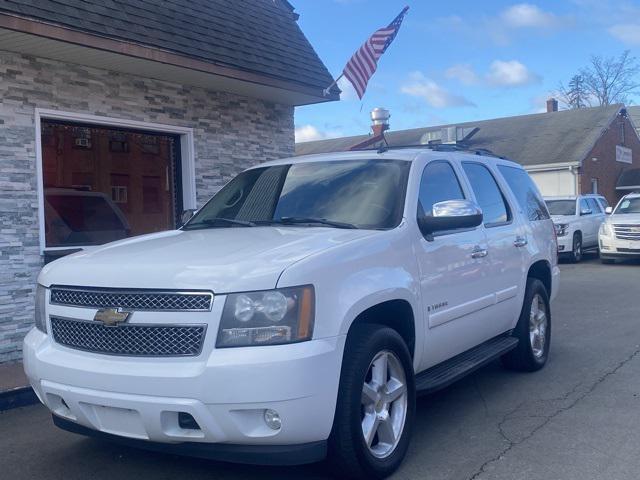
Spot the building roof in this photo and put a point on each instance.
(629, 180)
(560, 137)
(257, 36)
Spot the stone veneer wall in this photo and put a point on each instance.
(231, 133)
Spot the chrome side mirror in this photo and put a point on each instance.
(186, 216)
(586, 211)
(608, 210)
(450, 215)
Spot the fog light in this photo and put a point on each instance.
(272, 419)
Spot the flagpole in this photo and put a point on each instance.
(326, 91)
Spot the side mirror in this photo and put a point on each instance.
(450, 215)
(186, 216)
(608, 210)
(586, 211)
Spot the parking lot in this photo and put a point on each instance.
(576, 419)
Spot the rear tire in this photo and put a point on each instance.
(533, 330)
(365, 405)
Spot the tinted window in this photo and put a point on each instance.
(364, 193)
(438, 184)
(584, 206)
(488, 194)
(595, 206)
(526, 192)
(603, 202)
(561, 207)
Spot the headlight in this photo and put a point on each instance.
(271, 317)
(561, 229)
(605, 229)
(41, 315)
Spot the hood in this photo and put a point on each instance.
(222, 259)
(626, 218)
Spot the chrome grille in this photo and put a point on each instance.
(132, 299)
(129, 339)
(627, 232)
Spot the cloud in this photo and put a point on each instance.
(628, 33)
(510, 74)
(309, 133)
(526, 15)
(348, 92)
(464, 73)
(422, 87)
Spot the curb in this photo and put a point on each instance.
(17, 397)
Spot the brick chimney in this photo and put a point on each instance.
(380, 124)
(552, 105)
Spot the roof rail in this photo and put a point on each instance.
(439, 147)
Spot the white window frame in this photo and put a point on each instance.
(187, 156)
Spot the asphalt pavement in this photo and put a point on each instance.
(579, 418)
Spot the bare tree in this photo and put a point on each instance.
(611, 80)
(574, 94)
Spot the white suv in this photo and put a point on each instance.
(577, 220)
(620, 234)
(301, 310)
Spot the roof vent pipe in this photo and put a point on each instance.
(380, 120)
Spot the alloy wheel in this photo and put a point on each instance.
(538, 326)
(384, 404)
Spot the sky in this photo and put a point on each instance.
(458, 60)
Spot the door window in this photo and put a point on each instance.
(594, 205)
(584, 206)
(488, 195)
(439, 183)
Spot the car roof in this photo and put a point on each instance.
(632, 195)
(407, 154)
(574, 197)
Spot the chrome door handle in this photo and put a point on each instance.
(520, 242)
(479, 252)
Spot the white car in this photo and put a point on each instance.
(577, 220)
(620, 233)
(301, 310)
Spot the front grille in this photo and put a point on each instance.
(132, 299)
(627, 232)
(629, 250)
(131, 340)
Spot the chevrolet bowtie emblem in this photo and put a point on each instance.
(111, 317)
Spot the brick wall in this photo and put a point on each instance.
(606, 169)
(231, 133)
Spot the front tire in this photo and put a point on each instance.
(533, 330)
(376, 405)
(576, 253)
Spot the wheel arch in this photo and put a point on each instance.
(542, 271)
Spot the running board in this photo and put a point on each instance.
(444, 374)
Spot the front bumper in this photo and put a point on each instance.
(565, 244)
(226, 392)
(614, 248)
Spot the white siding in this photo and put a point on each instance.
(555, 183)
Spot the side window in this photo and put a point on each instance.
(603, 202)
(488, 194)
(526, 193)
(595, 206)
(584, 205)
(439, 183)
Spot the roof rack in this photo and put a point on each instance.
(438, 147)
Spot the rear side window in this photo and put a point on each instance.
(488, 194)
(439, 183)
(585, 207)
(526, 193)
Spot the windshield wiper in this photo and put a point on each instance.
(212, 222)
(320, 221)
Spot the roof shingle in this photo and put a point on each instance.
(536, 139)
(259, 36)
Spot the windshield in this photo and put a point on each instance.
(630, 205)
(561, 207)
(367, 194)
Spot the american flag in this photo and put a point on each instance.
(364, 62)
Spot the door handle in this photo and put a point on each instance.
(479, 252)
(520, 242)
